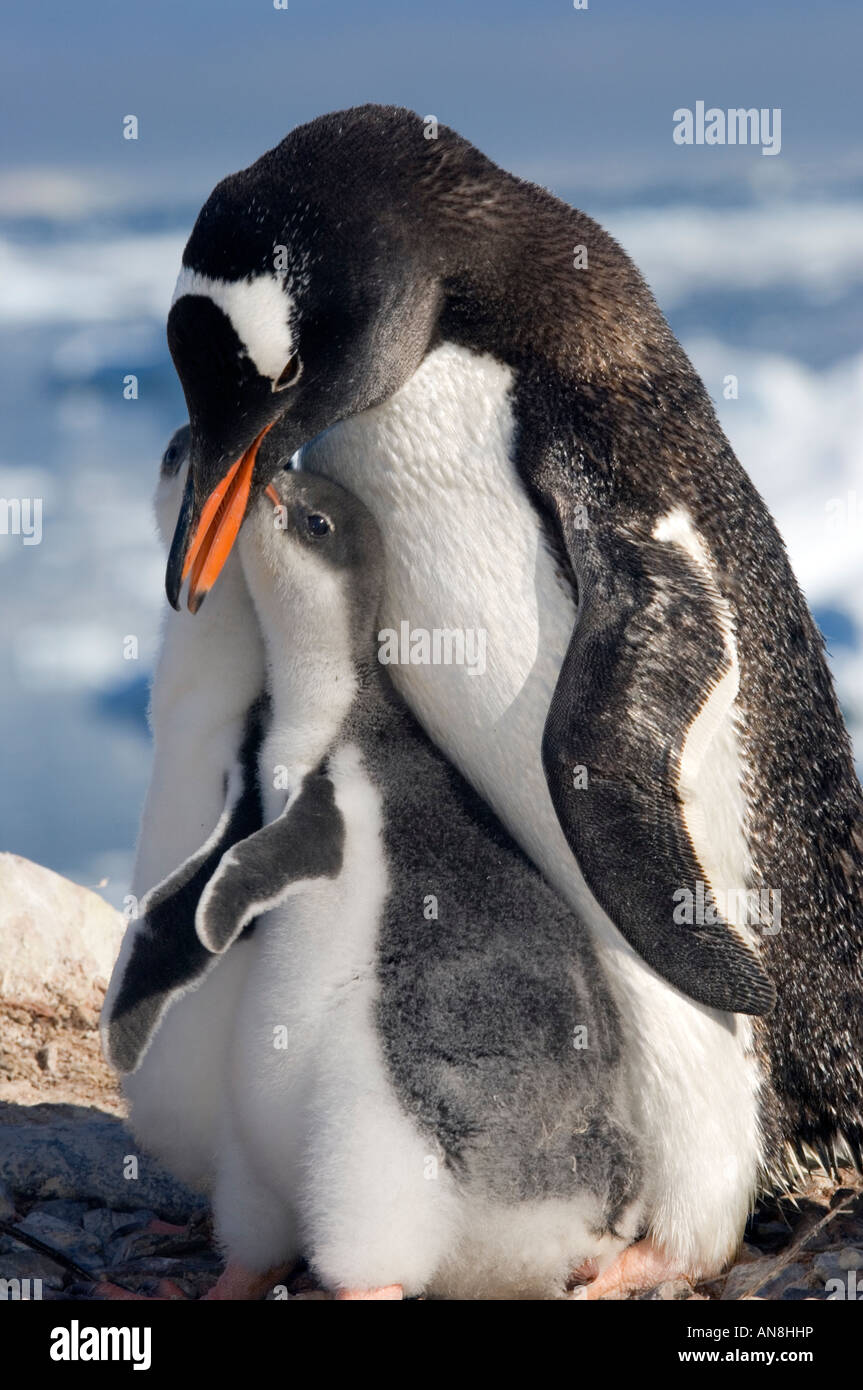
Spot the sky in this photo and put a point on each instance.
(553, 92)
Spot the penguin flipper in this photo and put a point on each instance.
(650, 645)
(166, 958)
(305, 842)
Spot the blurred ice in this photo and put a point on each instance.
(86, 280)
(683, 250)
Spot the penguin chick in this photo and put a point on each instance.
(427, 1087)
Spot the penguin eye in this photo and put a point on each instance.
(290, 374)
(317, 525)
(171, 460)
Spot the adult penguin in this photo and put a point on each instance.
(655, 724)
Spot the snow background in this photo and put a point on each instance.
(757, 262)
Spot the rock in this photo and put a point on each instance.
(146, 1244)
(783, 1279)
(63, 1210)
(84, 1160)
(56, 938)
(58, 943)
(770, 1237)
(197, 1283)
(849, 1258)
(151, 1282)
(744, 1277)
(152, 1268)
(159, 1268)
(7, 1203)
(138, 1281)
(105, 1223)
(71, 1240)
(46, 1057)
(29, 1264)
(672, 1290)
(749, 1254)
(767, 1277)
(826, 1266)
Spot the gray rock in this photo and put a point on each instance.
(744, 1277)
(62, 1210)
(849, 1258)
(144, 1244)
(672, 1290)
(104, 1222)
(770, 1237)
(29, 1264)
(138, 1281)
(786, 1278)
(161, 1266)
(196, 1285)
(7, 1203)
(84, 1160)
(148, 1282)
(57, 939)
(749, 1253)
(766, 1277)
(72, 1240)
(826, 1266)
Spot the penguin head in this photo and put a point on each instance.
(313, 559)
(173, 470)
(310, 290)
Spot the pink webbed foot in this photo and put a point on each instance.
(241, 1285)
(389, 1291)
(641, 1266)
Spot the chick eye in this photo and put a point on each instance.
(317, 525)
(171, 460)
(290, 374)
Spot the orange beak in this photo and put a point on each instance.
(221, 519)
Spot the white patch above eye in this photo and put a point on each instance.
(260, 311)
